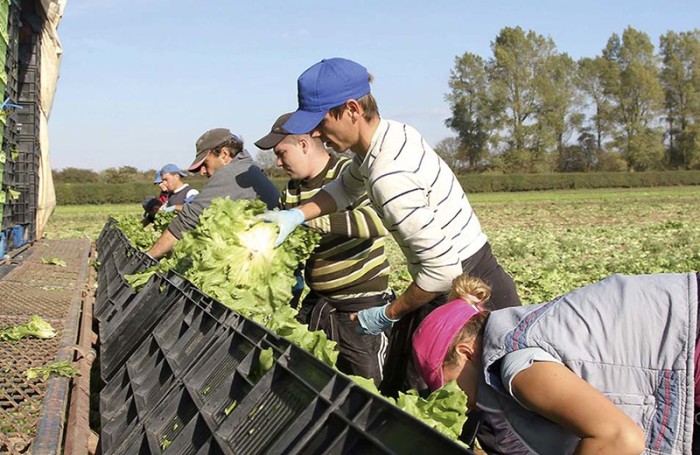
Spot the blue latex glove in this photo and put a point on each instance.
(287, 220)
(374, 321)
(170, 208)
(299, 285)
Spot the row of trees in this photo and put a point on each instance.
(124, 174)
(531, 108)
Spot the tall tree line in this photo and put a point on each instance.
(531, 108)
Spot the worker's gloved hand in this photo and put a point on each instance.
(299, 285)
(170, 208)
(287, 220)
(374, 321)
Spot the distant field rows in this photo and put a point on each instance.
(550, 241)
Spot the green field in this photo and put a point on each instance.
(551, 241)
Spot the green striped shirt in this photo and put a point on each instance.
(350, 260)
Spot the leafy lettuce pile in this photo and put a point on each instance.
(231, 256)
(143, 238)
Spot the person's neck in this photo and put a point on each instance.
(319, 162)
(367, 130)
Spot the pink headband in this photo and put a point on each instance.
(435, 334)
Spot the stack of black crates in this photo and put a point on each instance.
(182, 374)
(21, 132)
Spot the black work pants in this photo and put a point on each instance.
(361, 355)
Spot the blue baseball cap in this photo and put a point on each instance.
(327, 84)
(169, 169)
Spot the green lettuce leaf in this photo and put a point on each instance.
(36, 327)
(62, 368)
(444, 410)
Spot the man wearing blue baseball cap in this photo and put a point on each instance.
(417, 196)
(179, 192)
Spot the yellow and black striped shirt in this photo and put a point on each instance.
(350, 260)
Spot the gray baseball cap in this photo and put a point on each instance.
(276, 134)
(207, 141)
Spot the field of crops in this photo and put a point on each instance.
(551, 242)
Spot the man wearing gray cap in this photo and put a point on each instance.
(231, 172)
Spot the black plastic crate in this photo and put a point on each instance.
(26, 162)
(27, 114)
(285, 403)
(126, 260)
(121, 310)
(114, 394)
(189, 328)
(130, 260)
(120, 297)
(29, 88)
(110, 245)
(195, 438)
(26, 181)
(21, 214)
(106, 235)
(26, 128)
(169, 419)
(116, 283)
(122, 423)
(28, 145)
(366, 423)
(151, 376)
(11, 55)
(303, 406)
(9, 134)
(121, 335)
(7, 217)
(158, 362)
(29, 50)
(135, 444)
(118, 291)
(224, 374)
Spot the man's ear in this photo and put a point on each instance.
(228, 151)
(304, 144)
(354, 108)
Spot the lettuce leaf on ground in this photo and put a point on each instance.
(36, 327)
(54, 261)
(62, 368)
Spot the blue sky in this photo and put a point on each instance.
(141, 80)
